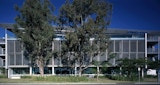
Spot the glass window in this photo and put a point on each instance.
(20, 70)
(64, 70)
(90, 70)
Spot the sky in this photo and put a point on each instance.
(126, 14)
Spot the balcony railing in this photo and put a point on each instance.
(2, 52)
(152, 51)
(2, 41)
(152, 38)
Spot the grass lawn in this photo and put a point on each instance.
(67, 79)
(63, 80)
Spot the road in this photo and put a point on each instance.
(79, 83)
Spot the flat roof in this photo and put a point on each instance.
(9, 26)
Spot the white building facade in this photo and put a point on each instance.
(131, 44)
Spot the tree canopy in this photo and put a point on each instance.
(34, 28)
(88, 19)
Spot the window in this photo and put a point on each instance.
(20, 70)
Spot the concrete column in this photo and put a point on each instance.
(9, 72)
(53, 73)
(6, 54)
(129, 49)
(106, 54)
(75, 70)
(146, 49)
(30, 70)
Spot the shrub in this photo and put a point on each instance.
(3, 76)
(26, 77)
(150, 76)
(123, 77)
(60, 78)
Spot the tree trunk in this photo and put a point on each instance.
(41, 67)
(80, 71)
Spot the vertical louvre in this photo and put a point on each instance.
(11, 59)
(126, 46)
(141, 46)
(18, 59)
(56, 45)
(18, 46)
(133, 46)
(10, 46)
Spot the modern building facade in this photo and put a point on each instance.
(131, 44)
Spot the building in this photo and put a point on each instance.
(132, 44)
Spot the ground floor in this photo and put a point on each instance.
(12, 71)
(25, 71)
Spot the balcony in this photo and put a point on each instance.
(152, 39)
(2, 52)
(2, 41)
(152, 51)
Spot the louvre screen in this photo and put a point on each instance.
(118, 45)
(57, 45)
(10, 46)
(25, 60)
(132, 55)
(15, 52)
(1, 62)
(126, 46)
(133, 46)
(141, 46)
(18, 59)
(111, 46)
(11, 59)
(1, 50)
(18, 46)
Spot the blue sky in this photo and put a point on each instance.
(127, 14)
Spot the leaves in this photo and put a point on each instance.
(132, 62)
(35, 18)
(87, 19)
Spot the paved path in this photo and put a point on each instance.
(142, 83)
